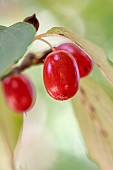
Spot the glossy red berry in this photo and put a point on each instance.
(85, 64)
(61, 75)
(19, 92)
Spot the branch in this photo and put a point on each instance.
(30, 59)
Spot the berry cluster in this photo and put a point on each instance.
(64, 65)
(63, 69)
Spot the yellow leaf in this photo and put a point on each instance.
(94, 111)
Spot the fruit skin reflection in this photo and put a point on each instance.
(61, 75)
(84, 62)
(19, 92)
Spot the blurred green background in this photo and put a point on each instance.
(91, 19)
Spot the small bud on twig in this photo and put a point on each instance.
(32, 20)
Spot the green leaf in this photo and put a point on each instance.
(10, 124)
(94, 111)
(5, 155)
(95, 52)
(2, 27)
(110, 62)
(14, 41)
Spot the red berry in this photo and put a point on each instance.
(61, 75)
(85, 64)
(19, 92)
